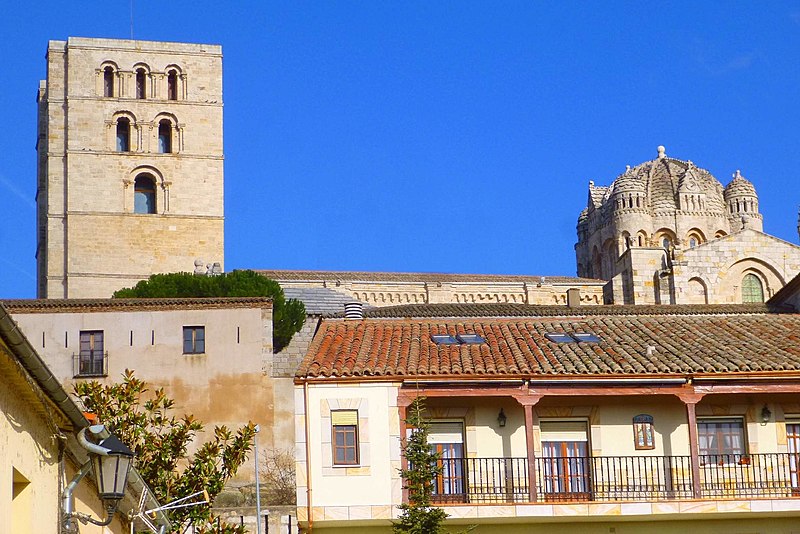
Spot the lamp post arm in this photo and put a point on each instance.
(88, 445)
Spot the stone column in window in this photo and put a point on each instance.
(179, 136)
(111, 134)
(151, 131)
(165, 188)
(125, 185)
(183, 89)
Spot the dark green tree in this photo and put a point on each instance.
(141, 419)
(288, 316)
(419, 516)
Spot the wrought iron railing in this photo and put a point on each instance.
(86, 364)
(617, 478)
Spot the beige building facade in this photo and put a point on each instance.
(130, 163)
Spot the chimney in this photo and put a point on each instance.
(573, 297)
(354, 310)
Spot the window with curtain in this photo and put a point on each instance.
(720, 440)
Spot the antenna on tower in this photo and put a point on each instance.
(131, 20)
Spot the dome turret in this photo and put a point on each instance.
(741, 202)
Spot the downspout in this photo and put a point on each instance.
(308, 458)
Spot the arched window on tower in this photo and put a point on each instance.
(752, 289)
(123, 135)
(144, 194)
(164, 136)
(141, 84)
(172, 85)
(108, 81)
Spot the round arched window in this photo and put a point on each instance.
(144, 194)
(752, 289)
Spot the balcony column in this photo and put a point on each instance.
(528, 402)
(691, 400)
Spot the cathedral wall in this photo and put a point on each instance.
(722, 264)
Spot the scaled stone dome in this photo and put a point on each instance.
(740, 187)
(663, 178)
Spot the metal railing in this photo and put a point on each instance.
(617, 478)
(86, 364)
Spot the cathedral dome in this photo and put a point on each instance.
(739, 187)
(664, 179)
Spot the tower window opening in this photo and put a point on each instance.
(144, 194)
(172, 85)
(140, 84)
(108, 82)
(164, 137)
(123, 135)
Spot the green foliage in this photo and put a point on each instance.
(141, 420)
(419, 516)
(287, 315)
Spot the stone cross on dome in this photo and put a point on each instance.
(662, 152)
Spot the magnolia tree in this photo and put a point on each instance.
(141, 418)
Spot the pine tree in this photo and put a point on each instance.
(419, 516)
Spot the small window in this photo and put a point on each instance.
(108, 82)
(172, 85)
(141, 84)
(344, 425)
(720, 441)
(144, 194)
(559, 337)
(583, 337)
(643, 435)
(470, 339)
(91, 359)
(752, 289)
(666, 243)
(444, 339)
(123, 135)
(194, 339)
(692, 242)
(164, 137)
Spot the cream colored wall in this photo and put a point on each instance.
(376, 483)
(28, 445)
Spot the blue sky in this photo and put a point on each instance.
(439, 136)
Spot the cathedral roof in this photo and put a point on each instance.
(739, 186)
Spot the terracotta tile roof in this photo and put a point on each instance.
(526, 310)
(370, 276)
(128, 305)
(517, 347)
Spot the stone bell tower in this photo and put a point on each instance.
(130, 163)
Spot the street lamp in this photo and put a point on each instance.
(111, 460)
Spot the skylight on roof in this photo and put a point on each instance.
(444, 339)
(572, 337)
(470, 339)
(559, 337)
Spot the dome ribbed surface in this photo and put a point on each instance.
(739, 186)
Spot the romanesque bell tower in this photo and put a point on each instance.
(130, 163)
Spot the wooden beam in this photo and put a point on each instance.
(694, 450)
(531, 451)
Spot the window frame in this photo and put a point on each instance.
(92, 357)
(722, 455)
(194, 340)
(345, 431)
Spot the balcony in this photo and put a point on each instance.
(89, 364)
(617, 478)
